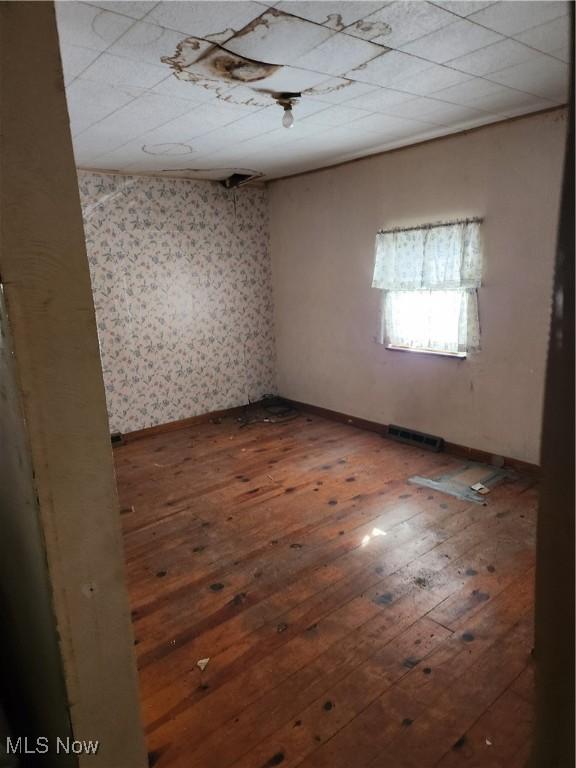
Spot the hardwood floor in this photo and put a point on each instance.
(351, 620)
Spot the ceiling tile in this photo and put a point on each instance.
(389, 126)
(335, 15)
(548, 37)
(89, 27)
(150, 113)
(126, 155)
(214, 140)
(339, 54)
(338, 114)
(433, 111)
(452, 41)
(145, 113)
(196, 122)
(103, 163)
(260, 121)
(542, 76)
(120, 71)
(291, 79)
(147, 42)
(133, 8)
(202, 19)
(564, 53)
(485, 95)
(301, 129)
(463, 7)
(277, 38)
(258, 146)
(96, 141)
(277, 138)
(380, 100)
(122, 98)
(244, 100)
(307, 106)
(336, 90)
(449, 114)
(75, 60)
(510, 18)
(528, 104)
(505, 53)
(169, 164)
(431, 80)
(167, 150)
(225, 161)
(387, 68)
(185, 89)
(349, 136)
(90, 102)
(400, 22)
(473, 93)
(312, 139)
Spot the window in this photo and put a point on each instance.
(430, 277)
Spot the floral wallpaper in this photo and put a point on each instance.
(181, 277)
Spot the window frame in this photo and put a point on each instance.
(434, 352)
(470, 283)
(417, 350)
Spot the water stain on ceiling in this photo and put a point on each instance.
(171, 148)
(372, 29)
(212, 64)
(217, 64)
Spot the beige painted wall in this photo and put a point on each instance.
(327, 316)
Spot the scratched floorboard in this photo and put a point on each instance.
(351, 619)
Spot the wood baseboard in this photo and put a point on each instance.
(454, 449)
(474, 454)
(371, 426)
(171, 426)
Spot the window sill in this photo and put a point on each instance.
(435, 353)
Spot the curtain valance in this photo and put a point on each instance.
(433, 257)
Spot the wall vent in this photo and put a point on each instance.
(412, 437)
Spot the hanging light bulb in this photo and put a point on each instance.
(287, 100)
(288, 117)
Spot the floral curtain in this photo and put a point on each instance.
(430, 277)
(436, 257)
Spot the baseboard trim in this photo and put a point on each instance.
(454, 449)
(172, 426)
(353, 421)
(475, 454)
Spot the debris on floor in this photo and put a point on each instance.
(202, 664)
(480, 488)
(472, 481)
(270, 410)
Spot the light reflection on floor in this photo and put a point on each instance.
(369, 536)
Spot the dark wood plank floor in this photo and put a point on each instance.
(351, 620)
